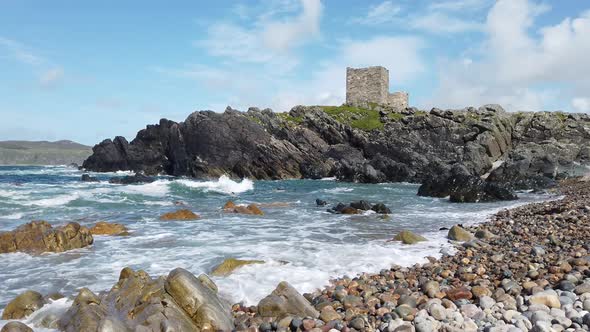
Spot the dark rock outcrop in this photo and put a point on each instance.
(88, 178)
(40, 236)
(316, 142)
(132, 179)
(178, 302)
(463, 187)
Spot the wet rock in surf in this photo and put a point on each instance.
(183, 214)
(40, 236)
(178, 302)
(320, 202)
(358, 207)
(106, 228)
(407, 237)
(284, 301)
(231, 264)
(23, 305)
(231, 207)
(88, 178)
(132, 179)
(16, 327)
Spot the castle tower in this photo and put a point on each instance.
(371, 86)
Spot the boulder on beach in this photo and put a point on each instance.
(458, 233)
(183, 214)
(231, 207)
(40, 236)
(23, 305)
(407, 237)
(284, 301)
(231, 264)
(106, 228)
(16, 327)
(178, 302)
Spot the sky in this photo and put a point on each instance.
(86, 71)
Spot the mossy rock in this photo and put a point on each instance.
(23, 305)
(407, 237)
(106, 228)
(183, 214)
(230, 265)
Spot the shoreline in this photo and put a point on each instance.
(348, 296)
(520, 274)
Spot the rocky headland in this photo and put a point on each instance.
(526, 269)
(487, 149)
(43, 153)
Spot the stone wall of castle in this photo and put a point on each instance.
(371, 85)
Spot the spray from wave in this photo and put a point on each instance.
(223, 185)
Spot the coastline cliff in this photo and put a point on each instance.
(370, 145)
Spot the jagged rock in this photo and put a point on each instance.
(132, 179)
(285, 300)
(178, 302)
(312, 143)
(407, 237)
(40, 236)
(106, 228)
(16, 327)
(458, 233)
(23, 305)
(463, 187)
(230, 264)
(182, 214)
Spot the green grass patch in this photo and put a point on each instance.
(395, 116)
(355, 117)
(295, 120)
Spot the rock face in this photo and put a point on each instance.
(40, 236)
(23, 305)
(285, 300)
(179, 302)
(355, 145)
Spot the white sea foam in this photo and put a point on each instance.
(156, 188)
(17, 215)
(338, 190)
(223, 185)
(54, 201)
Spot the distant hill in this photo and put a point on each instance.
(42, 152)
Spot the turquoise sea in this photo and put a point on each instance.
(300, 242)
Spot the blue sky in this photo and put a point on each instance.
(91, 70)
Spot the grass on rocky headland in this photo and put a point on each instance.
(359, 118)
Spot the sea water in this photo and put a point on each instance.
(299, 241)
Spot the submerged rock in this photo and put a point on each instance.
(284, 301)
(253, 209)
(23, 305)
(231, 264)
(358, 207)
(407, 237)
(88, 178)
(106, 228)
(40, 236)
(183, 214)
(132, 179)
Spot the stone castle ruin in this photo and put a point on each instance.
(365, 86)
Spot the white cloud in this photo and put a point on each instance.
(19, 52)
(459, 5)
(441, 23)
(581, 104)
(270, 39)
(50, 77)
(519, 64)
(384, 12)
